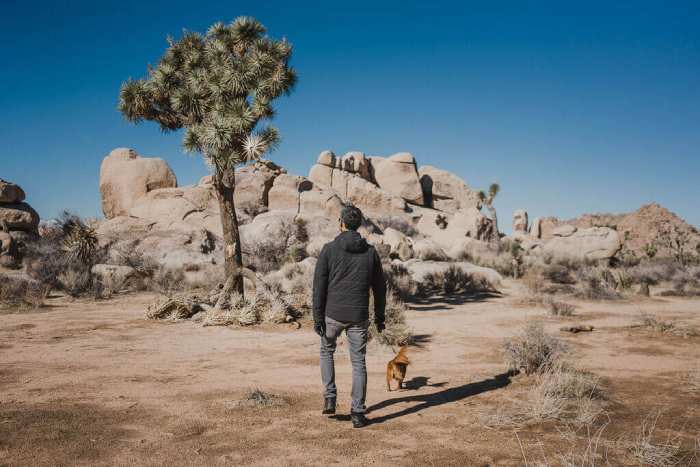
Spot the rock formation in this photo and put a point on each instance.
(594, 243)
(398, 175)
(19, 223)
(125, 177)
(520, 221)
(645, 226)
(445, 191)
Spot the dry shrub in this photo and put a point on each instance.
(564, 391)
(653, 273)
(599, 284)
(396, 330)
(533, 350)
(257, 398)
(534, 281)
(557, 308)
(660, 327)
(649, 449)
(397, 223)
(685, 282)
(559, 273)
(694, 378)
(451, 281)
(398, 279)
(20, 292)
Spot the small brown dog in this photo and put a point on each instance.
(396, 368)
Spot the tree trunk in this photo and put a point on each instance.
(495, 235)
(225, 184)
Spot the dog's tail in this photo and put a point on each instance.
(401, 356)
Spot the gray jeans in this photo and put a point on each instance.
(357, 340)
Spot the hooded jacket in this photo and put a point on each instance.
(347, 268)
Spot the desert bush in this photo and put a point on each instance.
(674, 328)
(533, 350)
(653, 272)
(563, 391)
(257, 398)
(534, 281)
(648, 449)
(598, 283)
(397, 223)
(64, 258)
(20, 291)
(398, 279)
(557, 308)
(559, 274)
(452, 280)
(397, 331)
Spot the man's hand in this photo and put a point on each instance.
(380, 326)
(320, 328)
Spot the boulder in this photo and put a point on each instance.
(253, 184)
(321, 174)
(284, 194)
(564, 231)
(373, 200)
(536, 228)
(427, 250)
(401, 246)
(186, 208)
(445, 191)
(464, 223)
(10, 193)
(19, 216)
(398, 175)
(595, 243)
(125, 177)
(357, 163)
(520, 220)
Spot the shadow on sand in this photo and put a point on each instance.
(425, 401)
(446, 302)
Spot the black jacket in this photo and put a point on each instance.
(347, 268)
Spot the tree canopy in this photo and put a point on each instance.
(218, 87)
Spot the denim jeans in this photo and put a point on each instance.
(357, 340)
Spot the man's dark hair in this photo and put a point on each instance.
(351, 217)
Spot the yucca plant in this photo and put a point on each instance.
(487, 200)
(218, 87)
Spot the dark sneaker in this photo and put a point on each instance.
(358, 420)
(329, 407)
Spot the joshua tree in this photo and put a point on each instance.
(487, 200)
(219, 87)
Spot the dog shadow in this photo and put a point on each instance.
(418, 382)
(426, 401)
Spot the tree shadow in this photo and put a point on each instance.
(418, 382)
(425, 401)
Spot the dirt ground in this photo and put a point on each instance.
(94, 383)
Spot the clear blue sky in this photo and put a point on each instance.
(589, 107)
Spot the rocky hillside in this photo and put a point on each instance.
(648, 225)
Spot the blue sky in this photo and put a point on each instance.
(585, 107)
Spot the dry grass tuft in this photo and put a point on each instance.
(22, 292)
(660, 327)
(648, 449)
(532, 350)
(397, 331)
(451, 281)
(257, 398)
(557, 308)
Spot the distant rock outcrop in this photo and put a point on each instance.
(445, 191)
(19, 223)
(648, 225)
(125, 177)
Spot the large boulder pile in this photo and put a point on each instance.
(19, 223)
(565, 241)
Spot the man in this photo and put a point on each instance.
(347, 268)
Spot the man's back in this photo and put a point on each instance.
(348, 267)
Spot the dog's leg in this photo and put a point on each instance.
(401, 383)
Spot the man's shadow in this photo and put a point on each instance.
(425, 401)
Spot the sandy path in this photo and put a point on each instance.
(93, 383)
